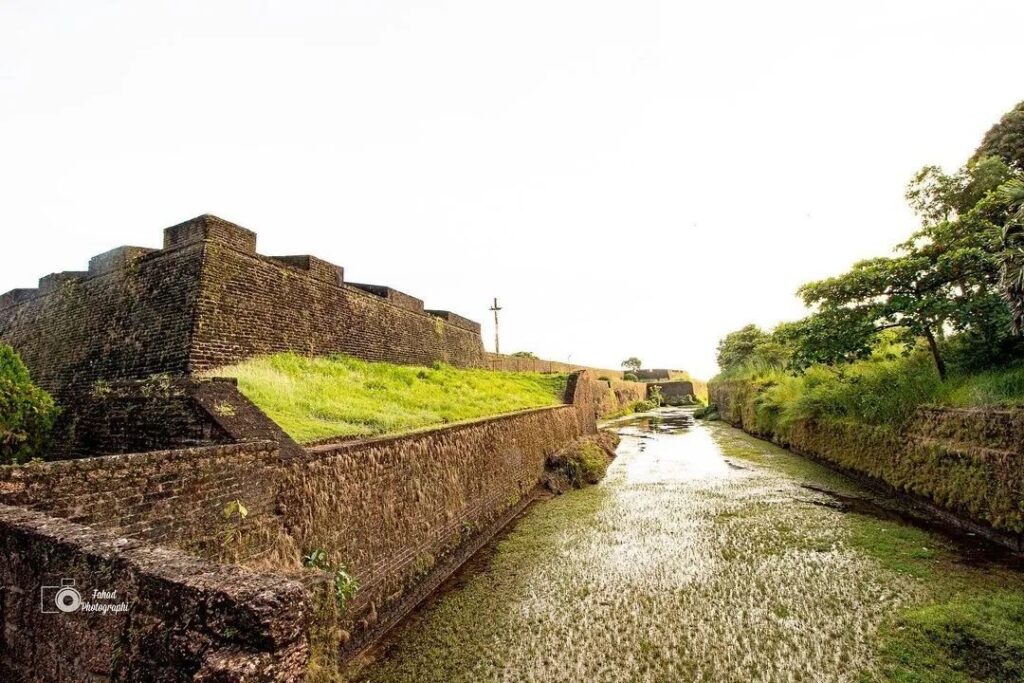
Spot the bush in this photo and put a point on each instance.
(708, 412)
(629, 377)
(644, 406)
(26, 411)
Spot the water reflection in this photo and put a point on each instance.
(673, 449)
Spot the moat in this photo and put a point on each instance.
(705, 555)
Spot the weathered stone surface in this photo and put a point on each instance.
(186, 619)
(208, 299)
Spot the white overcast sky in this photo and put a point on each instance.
(630, 178)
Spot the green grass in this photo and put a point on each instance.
(885, 389)
(1001, 387)
(338, 396)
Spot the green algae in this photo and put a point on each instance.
(707, 555)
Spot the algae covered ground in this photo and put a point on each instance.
(707, 555)
(339, 396)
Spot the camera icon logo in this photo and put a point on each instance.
(63, 598)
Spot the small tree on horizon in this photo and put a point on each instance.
(632, 364)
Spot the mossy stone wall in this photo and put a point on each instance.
(966, 462)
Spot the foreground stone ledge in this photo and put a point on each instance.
(187, 619)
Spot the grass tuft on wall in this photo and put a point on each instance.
(339, 396)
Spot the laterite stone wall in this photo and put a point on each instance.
(208, 299)
(186, 619)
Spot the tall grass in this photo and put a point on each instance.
(884, 389)
(339, 396)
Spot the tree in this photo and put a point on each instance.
(26, 411)
(1005, 139)
(877, 294)
(632, 364)
(524, 354)
(1012, 254)
(737, 348)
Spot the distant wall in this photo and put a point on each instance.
(673, 391)
(966, 465)
(186, 619)
(253, 305)
(507, 363)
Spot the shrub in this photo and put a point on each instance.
(655, 396)
(708, 412)
(644, 406)
(630, 377)
(26, 411)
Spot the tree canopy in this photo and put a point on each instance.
(956, 283)
(632, 364)
(1005, 139)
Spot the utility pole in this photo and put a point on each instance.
(496, 308)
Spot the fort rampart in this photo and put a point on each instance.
(400, 513)
(208, 299)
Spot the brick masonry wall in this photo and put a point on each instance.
(400, 512)
(675, 389)
(129, 317)
(251, 305)
(500, 361)
(187, 620)
(394, 509)
(208, 299)
(173, 498)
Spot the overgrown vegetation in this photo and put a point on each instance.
(344, 584)
(938, 322)
(27, 413)
(580, 464)
(339, 396)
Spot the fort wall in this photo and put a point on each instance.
(208, 299)
(400, 513)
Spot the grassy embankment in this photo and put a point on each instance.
(883, 390)
(339, 396)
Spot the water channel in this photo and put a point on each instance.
(705, 555)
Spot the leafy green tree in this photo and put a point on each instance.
(737, 348)
(632, 364)
(524, 354)
(1012, 254)
(1005, 139)
(877, 294)
(26, 411)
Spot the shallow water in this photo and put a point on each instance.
(705, 555)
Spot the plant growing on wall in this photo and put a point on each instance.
(235, 513)
(345, 585)
(27, 412)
